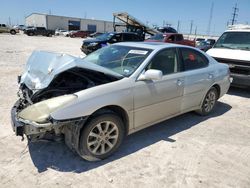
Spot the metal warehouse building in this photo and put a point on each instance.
(68, 23)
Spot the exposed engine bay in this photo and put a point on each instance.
(68, 82)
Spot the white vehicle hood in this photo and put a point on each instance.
(235, 54)
(42, 67)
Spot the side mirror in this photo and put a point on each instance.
(151, 74)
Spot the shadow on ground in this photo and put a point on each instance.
(57, 156)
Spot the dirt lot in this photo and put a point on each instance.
(187, 151)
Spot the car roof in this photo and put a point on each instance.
(149, 45)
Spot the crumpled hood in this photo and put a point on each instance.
(42, 67)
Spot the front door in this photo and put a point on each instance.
(156, 100)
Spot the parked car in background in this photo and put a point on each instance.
(66, 33)
(211, 41)
(167, 30)
(113, 92)
(7, 29)
(204, 45)
(233, 48)
(59, 32)
(20, 27)
(175, 38)
(39, 31)
(105, 39)
(82, 34)
(198, 40)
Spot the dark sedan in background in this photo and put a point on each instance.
(105, 39)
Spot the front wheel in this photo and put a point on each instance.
(101, 137)
(209, 102)
(13, 32)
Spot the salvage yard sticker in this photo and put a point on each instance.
(140, 52)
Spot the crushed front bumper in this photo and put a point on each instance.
(71, 128)
(30, 129)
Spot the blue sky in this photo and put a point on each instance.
(152, 12)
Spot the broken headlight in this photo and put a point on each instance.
(40, 112)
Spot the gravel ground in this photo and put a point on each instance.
(186, 151)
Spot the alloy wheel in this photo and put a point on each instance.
(102, 138)
(210, 101)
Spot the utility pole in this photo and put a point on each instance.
(195, 32)
(9, 21)
(210, 18)
(191, 27)
(178, 26)
(235, 11)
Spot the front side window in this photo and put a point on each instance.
(165, 61)
(192, 59)
(123, 60)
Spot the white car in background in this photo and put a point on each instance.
(60, 32)
(113, 92)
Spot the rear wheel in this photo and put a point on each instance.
(209, 102)
(101, 137)
(49, 35)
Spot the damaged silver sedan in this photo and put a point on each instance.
(96, 101)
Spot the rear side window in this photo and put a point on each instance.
(129, 37)
(179, 37)
(192, 59)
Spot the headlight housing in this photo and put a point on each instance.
(40, 111)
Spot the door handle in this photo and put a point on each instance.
(179, 82)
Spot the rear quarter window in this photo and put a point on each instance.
(192, 59)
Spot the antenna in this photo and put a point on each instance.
(210, 18)
(235, 11)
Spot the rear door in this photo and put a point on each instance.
(156, 100)
(198, 77)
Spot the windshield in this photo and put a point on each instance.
(105, 36)
(234, 40)
(123, 60)
(159, 37)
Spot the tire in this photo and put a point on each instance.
(13, 32)
(30, 34)
(209, 102)
(101, 137)
(49, 35)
